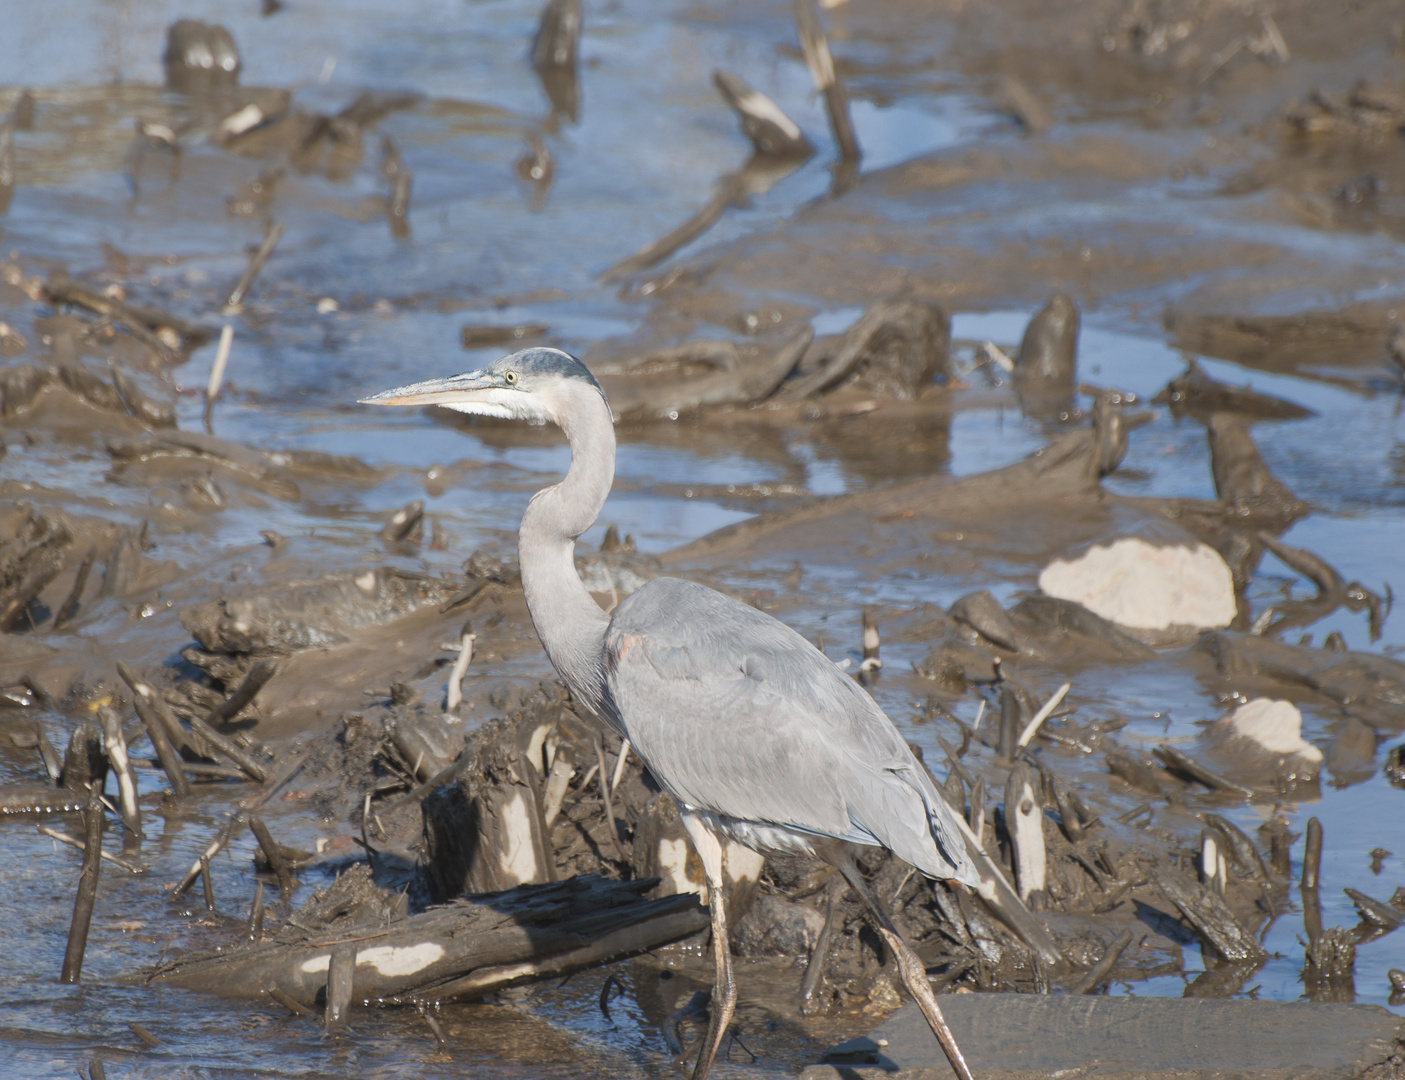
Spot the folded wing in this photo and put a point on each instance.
(736, 713)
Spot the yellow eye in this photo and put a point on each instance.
(510, 377)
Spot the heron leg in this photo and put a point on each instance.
(810, 1003)
(912, 970)
(724, 991)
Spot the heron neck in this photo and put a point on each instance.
(568, 621)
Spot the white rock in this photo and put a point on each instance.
(1147, 586)
(1274, 726)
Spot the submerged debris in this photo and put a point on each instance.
(896, 349)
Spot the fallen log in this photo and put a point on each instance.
(462, 948)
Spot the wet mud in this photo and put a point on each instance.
(1042, 363)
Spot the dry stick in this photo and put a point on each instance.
(871, 643)
(73, 841)
(1099, 971)
(217, 374)
(165, 752)
(235, 302)
(460, 668)
(1010, 713)
(206, 883)
(122, 766)
(827, 82)
(977, 818)
(980, 712)
(557, 781)
(609, 806)
(229, 749)
(159, 724)
(288, 1003)
(275, 857)
(1312, 868)
(619, 767)
(254, 930)
(53, 764)
(200, 769)
(69, 607)
(87, 889)
(1042, 715)
(729, 188)
(1180, 762)
(188, 878)
(434, 1026)
(244, 693)
(141, 324)
(1213, 870)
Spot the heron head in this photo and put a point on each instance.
(533, 384)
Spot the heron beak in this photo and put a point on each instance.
(456, 390)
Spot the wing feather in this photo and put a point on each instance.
(736, 713)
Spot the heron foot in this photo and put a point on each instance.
(914, 976)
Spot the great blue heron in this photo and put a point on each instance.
(756, 735)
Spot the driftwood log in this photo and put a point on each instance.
(462, 949)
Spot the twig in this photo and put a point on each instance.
(254, 929)
(619, 767)
(827, 82)
(93, 822)
(244, 693)
(1312, 869)
(609, 806)
(247, 765)
(170, 761)
(460, 668)
(73, 841)
(116, 748)
(217, 373)
(235, 303)
(288, 1003)
(275, 857)
(69, 607)
(188, 879)
(207, 883)
(1099, 971)
(1042, 715)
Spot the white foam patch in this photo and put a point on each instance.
(317, 963)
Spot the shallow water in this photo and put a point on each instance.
(652, 141)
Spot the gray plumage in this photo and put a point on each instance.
(739, 715)
(753, 731)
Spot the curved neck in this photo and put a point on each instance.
(568, 621)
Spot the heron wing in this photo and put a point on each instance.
(736, 713)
